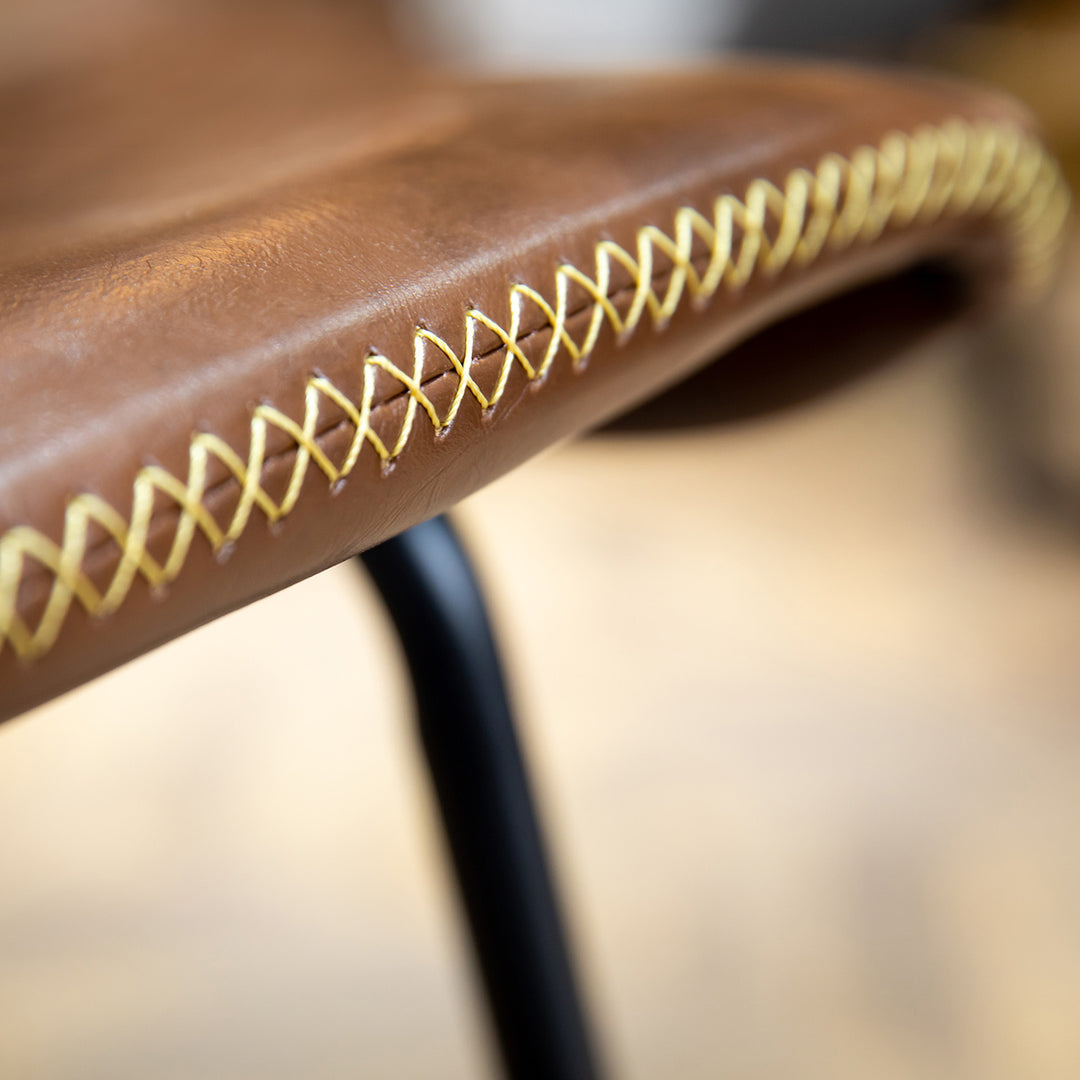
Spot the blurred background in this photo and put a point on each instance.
(808, 746)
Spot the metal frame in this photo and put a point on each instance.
(488, 813)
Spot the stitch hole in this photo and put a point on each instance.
(338, 486)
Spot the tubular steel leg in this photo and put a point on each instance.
(491, 824)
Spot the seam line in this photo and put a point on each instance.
(955, 169)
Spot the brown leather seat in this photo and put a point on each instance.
(265, 306)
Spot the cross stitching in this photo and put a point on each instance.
(955, 169)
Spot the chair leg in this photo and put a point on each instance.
(472, 751)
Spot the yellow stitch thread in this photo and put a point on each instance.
(601, 304)
(192, 511)
(955, 168)
(129, 537)
(509, 340)
(463, 369)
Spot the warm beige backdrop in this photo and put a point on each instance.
(804, 701)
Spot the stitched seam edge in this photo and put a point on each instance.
(955, 169)
(322, 434)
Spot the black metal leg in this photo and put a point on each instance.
(471, 746)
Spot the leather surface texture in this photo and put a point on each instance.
(263, 307)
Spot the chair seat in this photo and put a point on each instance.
(266, 307)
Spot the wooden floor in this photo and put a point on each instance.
(803, 697)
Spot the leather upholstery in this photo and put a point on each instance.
(200, 259)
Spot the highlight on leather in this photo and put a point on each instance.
(956, 169)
